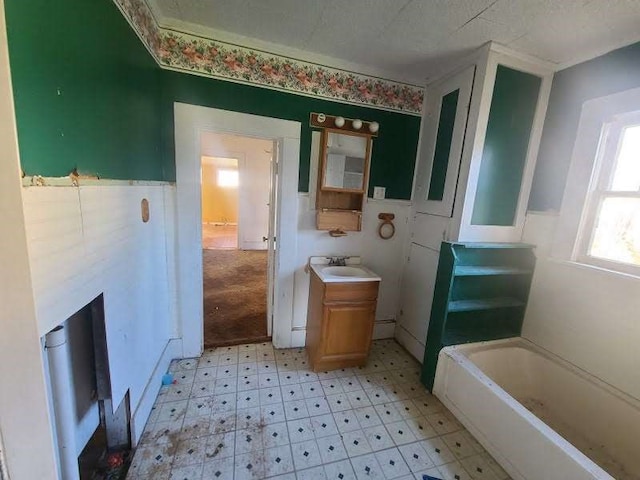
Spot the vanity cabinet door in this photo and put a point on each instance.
(443, 130)
(340, 323)
(347, 330)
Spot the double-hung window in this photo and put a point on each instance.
(609, 234)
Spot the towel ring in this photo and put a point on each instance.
(387, 224)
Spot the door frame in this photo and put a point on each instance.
(190, 122)
(271, 234)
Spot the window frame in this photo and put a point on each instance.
(604, 171)
(590, 174)
(228, 170)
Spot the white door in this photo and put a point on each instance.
(254, 196)
(442, 137)
(418, 284)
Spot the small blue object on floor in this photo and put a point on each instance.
(167, 379)
(428, 477)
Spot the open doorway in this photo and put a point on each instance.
(236, 180)
(220, 180)
(191, 122)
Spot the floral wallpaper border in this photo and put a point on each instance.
(204, 56)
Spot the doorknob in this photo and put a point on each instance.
(265, 239)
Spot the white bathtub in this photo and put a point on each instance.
(580, 428)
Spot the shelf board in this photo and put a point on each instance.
(484, 304)
(495, 246)
(459, 338)
(472, 271)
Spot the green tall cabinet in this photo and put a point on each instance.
(481, 293)
(478, 146)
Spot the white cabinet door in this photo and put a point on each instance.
(442, 137)
(429, 230)
(418, 283)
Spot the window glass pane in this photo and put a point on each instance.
(227, 178)
(617, 234)
(626, 176)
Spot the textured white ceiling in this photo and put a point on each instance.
(411, 39)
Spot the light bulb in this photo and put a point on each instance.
(339, 121)
(373, 127)
(356, 124)
(321, 117)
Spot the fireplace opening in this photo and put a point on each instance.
(93, 435)
(107, 455)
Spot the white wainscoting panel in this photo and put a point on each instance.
(385, 257)
(91, 240)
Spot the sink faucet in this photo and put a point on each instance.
(337, 261)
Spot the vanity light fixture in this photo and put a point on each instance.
(338, 122)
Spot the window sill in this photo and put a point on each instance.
(596, 269)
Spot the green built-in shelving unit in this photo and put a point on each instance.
(480, 294)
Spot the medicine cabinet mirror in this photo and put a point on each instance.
(343, 171)
(345, 161)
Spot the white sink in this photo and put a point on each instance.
(349, 273)
(340, 271)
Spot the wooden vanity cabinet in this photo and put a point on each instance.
(340, 323)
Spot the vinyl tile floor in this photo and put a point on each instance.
(251, 412)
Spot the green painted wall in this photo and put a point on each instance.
(89, 96)
(614, 72)
(87, 93)
(513, 106)
(394, 150)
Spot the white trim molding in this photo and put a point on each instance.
(583, 173)
(190, 122)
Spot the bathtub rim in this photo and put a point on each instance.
(459, 356)
(467, 349)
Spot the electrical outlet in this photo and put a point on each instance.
(378, 193)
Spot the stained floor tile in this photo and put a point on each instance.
(252, 412)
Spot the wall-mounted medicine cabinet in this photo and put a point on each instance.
(343, 177)
(342, 180)
(345, 162)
